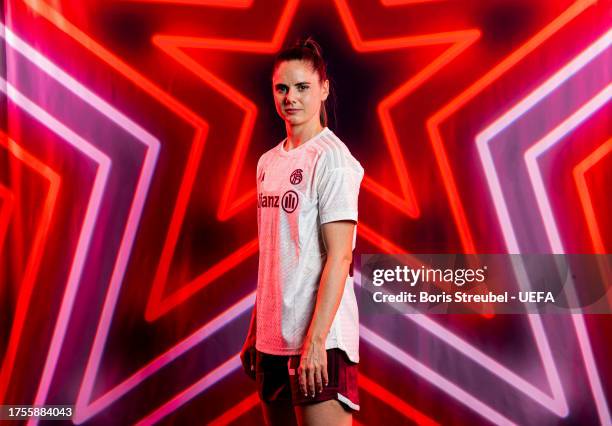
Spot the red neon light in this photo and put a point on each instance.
(236, 411)
(174, 46)
(155, 308)
(6, 209)
(434, 122)
(405, 2)
(585, 197)
(406, 203)
(35, 257)
(239, 4)
(393, 401)
(158, 306)
(369, 385)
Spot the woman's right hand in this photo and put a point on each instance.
(247, 356)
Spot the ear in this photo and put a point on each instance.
(325, 90)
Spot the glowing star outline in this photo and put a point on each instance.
(82, 145)
(482, 142)
(557, 404)
(552, 232)
(540, 37)
(104, 162)
(435, 121)
(174, 46)
(64, 25)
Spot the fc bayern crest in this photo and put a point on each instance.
(296, 176)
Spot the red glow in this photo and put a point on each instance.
(34, 258)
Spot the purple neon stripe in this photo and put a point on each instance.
(483, 138)
(141, 191)
(556, 403)
(445, 385)
(79, 90)
(545, 144)
(167, 357)
(83, 410)
(93, 206)
(554, 237)
(192, 391)
(501, 207)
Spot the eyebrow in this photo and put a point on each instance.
(280, 85)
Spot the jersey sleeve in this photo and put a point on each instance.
(338, 192)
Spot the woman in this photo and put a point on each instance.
(302, 344)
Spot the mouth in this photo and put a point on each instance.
(291, 110)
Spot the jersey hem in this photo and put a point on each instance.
(341, 215)
(290, 351)
(284, 351)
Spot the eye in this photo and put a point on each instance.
(302, 87)
(281, 89)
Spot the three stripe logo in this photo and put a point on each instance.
(290, 201)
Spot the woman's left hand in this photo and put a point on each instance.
(312, 371)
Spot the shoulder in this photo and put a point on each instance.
(333, 153)
(266, 156)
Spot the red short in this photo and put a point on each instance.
(277, 380)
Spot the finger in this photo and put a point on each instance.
(302, 377)
(318, 380)
(311, 384)
(325, 376)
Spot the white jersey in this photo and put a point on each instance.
(297, 191)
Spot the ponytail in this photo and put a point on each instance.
(310, 51)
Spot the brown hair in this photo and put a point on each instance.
(307, 50)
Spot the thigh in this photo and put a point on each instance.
(274, 389)
(278, 413)
(326, 413)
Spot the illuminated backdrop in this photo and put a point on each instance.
(129, 139)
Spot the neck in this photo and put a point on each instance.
(297, 135)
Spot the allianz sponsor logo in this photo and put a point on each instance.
(267, 200)
(289, 201)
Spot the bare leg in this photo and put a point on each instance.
(278, 413)
(326, 413)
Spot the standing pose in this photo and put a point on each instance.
(303, 342)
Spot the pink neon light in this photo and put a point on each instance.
(483, 138)
(167, 357)
(226, 368)
(554, 238)
(192, 391)
(136, 207)
(543, 145)
(223, 370)
(93, 206)
(556, 404)
(431, 376)
(482, 141)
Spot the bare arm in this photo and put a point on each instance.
(338, 238)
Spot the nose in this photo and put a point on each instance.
(290, 97)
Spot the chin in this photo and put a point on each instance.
(294, 121)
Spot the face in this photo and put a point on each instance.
(298, 93)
